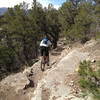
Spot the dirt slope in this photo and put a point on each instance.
(54, 80)
(58, 82)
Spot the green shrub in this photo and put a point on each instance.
(89, 79)
(98, 35)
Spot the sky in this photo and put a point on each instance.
(11, 3)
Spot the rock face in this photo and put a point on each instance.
(12, 86)
(16, 81)
(53, 84)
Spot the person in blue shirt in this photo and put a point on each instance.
(44, 48)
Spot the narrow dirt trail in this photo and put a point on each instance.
(54, 80)
(58, 83)
(55, 56)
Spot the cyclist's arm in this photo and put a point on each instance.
(49, 43)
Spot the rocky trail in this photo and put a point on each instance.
(58, 81)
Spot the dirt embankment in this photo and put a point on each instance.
(58, 82)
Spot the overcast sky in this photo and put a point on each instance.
(11, 3)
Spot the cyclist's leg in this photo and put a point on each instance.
(42, 58)
(43, 63)
(41, 53)
(48, 60)
(47, 56)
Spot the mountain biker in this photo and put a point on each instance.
(44, 48)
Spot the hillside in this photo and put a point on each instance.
(58, 82)
(74, 31)
(3, 10)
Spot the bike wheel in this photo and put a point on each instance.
(42, 65)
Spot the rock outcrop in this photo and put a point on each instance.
(53, 84)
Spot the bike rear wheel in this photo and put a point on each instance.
(43, 62)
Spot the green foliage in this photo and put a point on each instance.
(52, 25)
(84, 19)
(98, 35)
(67, 15)
(97, 19)
(6, 55)
(18, 39)
(90, 79)
(22, 30)
(80, 22)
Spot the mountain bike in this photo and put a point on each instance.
(44, 61)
